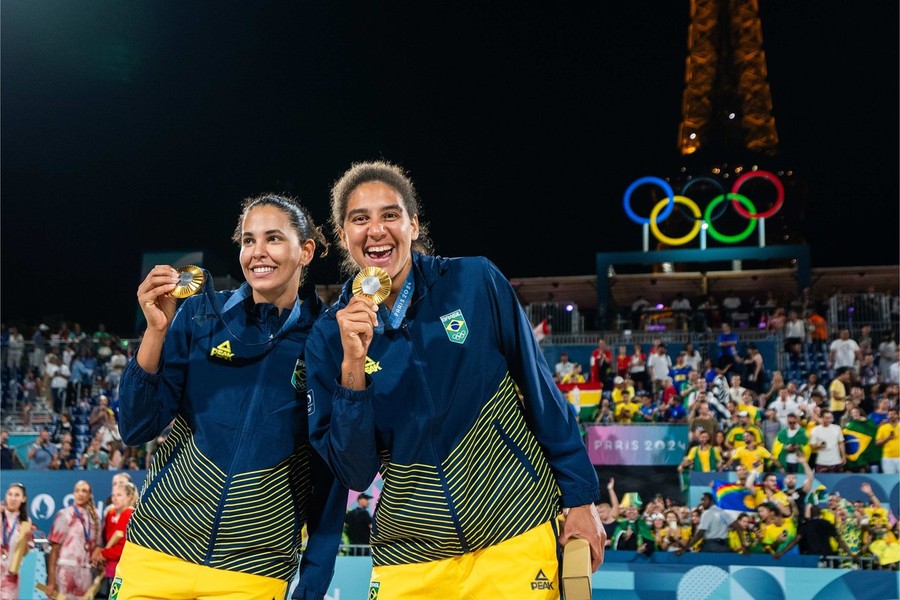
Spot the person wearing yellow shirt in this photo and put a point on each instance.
(888, 438)
(749, 403)
(734, 439)
(703, 458)
(769, 492)
(575, 375)
(619, 386)
(776, 531)
(837, 394)
(752, 455)
(626, 409)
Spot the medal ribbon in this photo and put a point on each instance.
(84, 526)
(393, 318)
(8, 533)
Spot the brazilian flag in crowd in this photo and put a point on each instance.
(859, 442)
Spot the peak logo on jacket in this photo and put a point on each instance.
(222, 351)
(455, 325)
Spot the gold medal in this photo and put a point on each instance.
(374, 283)
(190, 278)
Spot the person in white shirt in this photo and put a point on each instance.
(828, 442)
(844, 352)
(563, 367)
(681, 307)
(794, 334)
(783, 406)
(658, 365)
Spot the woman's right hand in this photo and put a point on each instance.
(154, 296)
(357, 322)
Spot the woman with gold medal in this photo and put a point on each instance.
(416, 372)
(229, 491)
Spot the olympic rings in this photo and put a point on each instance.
(742, 205)
(779, 200)
(670, 196)
(654, 225)
(738, 237)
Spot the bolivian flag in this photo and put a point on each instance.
(859, 442)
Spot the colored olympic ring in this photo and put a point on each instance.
(779, 200)
(670, 197)
(742, 205)
(738, 237)
(715, 183)
(654, 223)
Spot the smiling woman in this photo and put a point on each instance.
(226, 370)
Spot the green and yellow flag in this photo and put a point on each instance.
(859, 441)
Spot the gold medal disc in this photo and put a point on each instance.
(374, 283)
(190, 279)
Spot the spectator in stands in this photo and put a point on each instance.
(887, 353)
(744, 536)
(776, 530)
(375, 215)
(791, 444)
(623, 361)
(575, 375)
(700, 416)
(814, 536)
(769, 493)
(837, 392)
(76, 529)
(84, 369)
(679, 372)
(358, 524)
(67, 458)
(703, 457)
(625, 410)
(658, 366)
(604, 414)
(727, 342)
(100, 414)
(692, 357)
(752, 455)
(95, 458)
(637, 369)
(755, 370)
(633, 533)
(648, 412)
(601, 363)
(784, 405)
(42, 452)
(621, 385)
(812, 384)
(828, 442)
(770, 426)
(228, 367)
(564, 366)
(894, 369)
(844, 352)
(713, 528)
(15, 351)
(735, 389)
(880, 414)
(609, 512)
(794, 335)
(671, 406)
(888, 438)
(735, 436)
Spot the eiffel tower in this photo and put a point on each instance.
(727, 103)
(727, 125)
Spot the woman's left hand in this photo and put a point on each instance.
(584, 522)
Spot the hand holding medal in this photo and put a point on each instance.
(373, 283)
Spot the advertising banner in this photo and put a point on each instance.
(634, 444)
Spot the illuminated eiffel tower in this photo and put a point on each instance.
(727, 125)
(727, 103)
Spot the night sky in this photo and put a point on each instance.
(132, 127)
